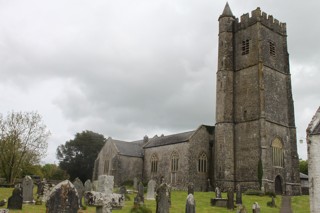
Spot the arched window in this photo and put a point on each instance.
(277, 152)
(154, 163)
(202, 163)
(174, 162)
(106, 167)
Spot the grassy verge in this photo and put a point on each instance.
(300, 204)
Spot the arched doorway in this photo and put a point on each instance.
(278, 185)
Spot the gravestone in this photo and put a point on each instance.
(238, 195)
(88, 185)
(123, 190)
(241, 209)
(135, 183)
(80, 189)
(15, 201)
(4, 210)
(190, 204)
(105, 184)
(255, 207)
(162, 198)
(27, 189)
(209, 187)
(230, 202)
(139, 199)
(190, 188)
(103, 199)
(151, 188)
(104, 202)
(46, 191)
(218, 192)
(95, 185)
(63, 198)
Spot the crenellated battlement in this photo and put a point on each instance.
(258, 16)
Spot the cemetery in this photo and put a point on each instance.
(105, 198)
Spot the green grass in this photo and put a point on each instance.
(300, 204)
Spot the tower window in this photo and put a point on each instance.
(174, 162)
(245, 47)
(277, 153)
(202, 163)
(272, 48)
(154, 163)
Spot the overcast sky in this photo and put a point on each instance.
(130, 68)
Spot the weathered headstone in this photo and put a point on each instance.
(46, 191)
(95, 185)
(209, 187)
(190, 204)
(105, 184)
(88, 185)
(63, 198)
(135, 183)
(190, 188)
(123, 190)
(230, 202)
(238, 195)
(255, 207)
(27, 189)
(151, 188)
(4, 210)
(139, 199)
(104, 202)
(241, 209)
(3, 202)
(15, 201)
(80, 189)
(218, 192)
(162, 198)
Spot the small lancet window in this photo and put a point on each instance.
(272, 48)
(174, 162)
(202, 163)
(154, 163)
(245, 46)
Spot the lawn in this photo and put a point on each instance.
(300, 204)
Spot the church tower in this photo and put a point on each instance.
(255, 135)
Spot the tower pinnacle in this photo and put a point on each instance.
(227, 11)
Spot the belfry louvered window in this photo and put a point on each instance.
(272, 48)
(245, 47)
(106, 167)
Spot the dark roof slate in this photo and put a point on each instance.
(133, 149)
(169, 139)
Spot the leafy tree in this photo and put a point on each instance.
(23, 141)
(54, 172)
(303, 166)
(77, 156)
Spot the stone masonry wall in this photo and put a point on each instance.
(177, 179)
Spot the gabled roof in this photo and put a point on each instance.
(314, 125)
(169, 139)
(133, 149)
(303, 176)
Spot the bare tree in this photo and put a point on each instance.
(23, 141)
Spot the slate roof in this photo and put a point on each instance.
(133, 149)
(303, 176)
(169, 139)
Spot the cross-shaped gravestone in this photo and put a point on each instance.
(80, 189)
(103, 199)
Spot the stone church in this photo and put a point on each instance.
(253, 142)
